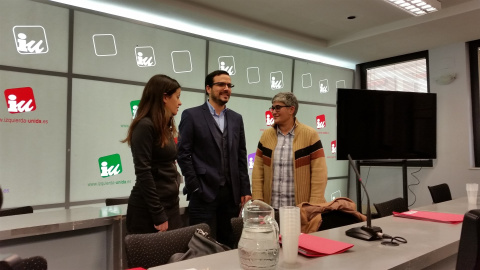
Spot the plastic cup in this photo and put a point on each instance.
(290, 248)
(290, 231)
(472, 191)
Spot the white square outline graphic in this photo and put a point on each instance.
(320, 86)
(220, 65)
(258, 73)
(332, 197)
(340, 81)
(95, 48)
(310, 80)
(29, 26)
(282, 84)
(189, 57)
(153, 53)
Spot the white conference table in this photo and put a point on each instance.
(428, 243)
(91, 236)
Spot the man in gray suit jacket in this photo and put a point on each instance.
(213, 158)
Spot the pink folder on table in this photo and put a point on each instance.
(315, 246)
(431, 216)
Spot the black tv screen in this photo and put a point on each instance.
(378, 125)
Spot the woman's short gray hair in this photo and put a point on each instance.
(288, 99)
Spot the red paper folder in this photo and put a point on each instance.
(315, 246)
(431, 216)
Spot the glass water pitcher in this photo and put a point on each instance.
(258, 247)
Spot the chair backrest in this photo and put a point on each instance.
(14, 262)
(440, 193)
(468, 250)
(16, 211)
(337, 218)
(387, 208)
(152, 249)
(9, 261)
(116, 201)
(32, 263)
(237, 227)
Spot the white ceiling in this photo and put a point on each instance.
(321, 27)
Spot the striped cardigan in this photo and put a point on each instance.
(310, 167)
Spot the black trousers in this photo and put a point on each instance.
(139, 220)
(216, 214)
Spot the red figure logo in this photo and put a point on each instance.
(334, 146)
(321, 122)
(269, 118)
(20, 100)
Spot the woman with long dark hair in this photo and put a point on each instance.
(154, 204)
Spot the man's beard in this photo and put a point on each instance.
(218, 101)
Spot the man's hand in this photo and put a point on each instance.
(162, 227)
(245, 199)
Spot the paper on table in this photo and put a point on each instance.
(431, 216)
(315, 246)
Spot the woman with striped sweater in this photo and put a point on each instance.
(290, 166)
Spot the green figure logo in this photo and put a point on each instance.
(110, 165)
(134, 107)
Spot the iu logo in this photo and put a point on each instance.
(134, 107)
(30, 39)
(321, 122)
(251, 159)
(110, 165)
(145, 56)
(227, 63)
(334, 146)
(269, 118)
(276, 80)
(20, 100)
(323, 86)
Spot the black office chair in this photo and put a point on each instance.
(237, 227)
(16, 211)
(440, 193)
(14, 262)
(153, 249)
(1, 197)
(387, 208)
(337, 218)
(468, 250)
(116, 201)
(32, 263)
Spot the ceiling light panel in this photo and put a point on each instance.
(417, 7)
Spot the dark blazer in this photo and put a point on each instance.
(199, 155)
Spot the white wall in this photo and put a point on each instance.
(454, 138)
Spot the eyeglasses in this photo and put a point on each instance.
(223, 84)
(277, 107)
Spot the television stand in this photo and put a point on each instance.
(387, 163)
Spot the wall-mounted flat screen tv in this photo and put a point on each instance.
(379, 125)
